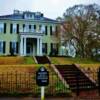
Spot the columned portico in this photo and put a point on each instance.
(23, 45)
(40, 46)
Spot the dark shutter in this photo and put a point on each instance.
(51, 46)
(4, 46)
(46, 30)
(46, 47)
(29, 26)
(10, 46)
(50, 30)
(11, 27)
(23, 25)
(17, 28)
(4, 27)
(17, 47)
(35, 27)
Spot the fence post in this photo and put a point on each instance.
(99, 80)
(77, 83)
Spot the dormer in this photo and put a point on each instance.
(28, 15)
(17, 12)
(38, 15)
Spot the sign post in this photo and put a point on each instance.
(42, 80)
(42, 92)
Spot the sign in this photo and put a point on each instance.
(42, 77)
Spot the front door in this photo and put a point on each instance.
(29, 46)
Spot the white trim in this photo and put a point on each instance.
(24, 46)
(40, 46)
(21, 46)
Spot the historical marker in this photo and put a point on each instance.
(42, 79)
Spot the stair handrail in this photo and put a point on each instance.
(59, 75)
(49, 59)
(35, 60)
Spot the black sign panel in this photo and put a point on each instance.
(42, 77)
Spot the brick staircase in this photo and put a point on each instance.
(77, 80)
(42, 60)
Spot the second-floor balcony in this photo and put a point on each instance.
(31, 32)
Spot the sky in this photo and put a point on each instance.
(50, 8)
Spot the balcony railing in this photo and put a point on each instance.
(31, 32)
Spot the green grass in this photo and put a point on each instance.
(29, 60)
(65, 60)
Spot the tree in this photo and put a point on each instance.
(82, 29)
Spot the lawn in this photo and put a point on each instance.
(26, 68)
(29, 60)
(18, 60)
(65, 60)
(17, 75)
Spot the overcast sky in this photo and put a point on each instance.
(50, 8)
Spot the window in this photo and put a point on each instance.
(25, 27)
(43, 29)
(28, 16)
(14, 28)
(32, 28)
(44, 48)
(53, 29)
(1, 27)
(14, 47)
(54, 49)
(2, 47)
(40, 27)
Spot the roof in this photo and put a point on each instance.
(20, 16)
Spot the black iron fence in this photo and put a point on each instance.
(20, 84)
(94, 76)
(15, 83)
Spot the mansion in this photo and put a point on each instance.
(28, 33)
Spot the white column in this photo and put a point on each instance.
(24, 46)
(38, 48)
(41, 46)
(21, 46)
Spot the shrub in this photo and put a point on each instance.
(97, 57)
